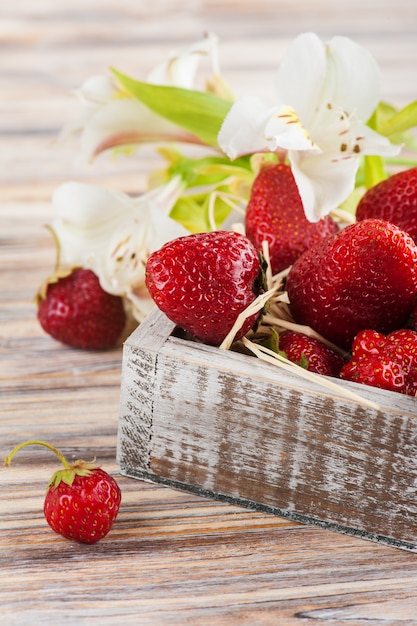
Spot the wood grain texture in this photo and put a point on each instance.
(224, 424)
(171, 557)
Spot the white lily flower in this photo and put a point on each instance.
(325, 95)
(125, 122)
(180, 69)
(109, 117)
(95, 92)
(113, 234)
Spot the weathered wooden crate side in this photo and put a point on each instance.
(140, 353)
(230, 426)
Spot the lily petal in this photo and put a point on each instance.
(243, 130)
(141, 302)
(112, 233)
(301, 75)
(367, 141)
(85, 217)
(284, 130)
(180, 69)
(340, 74)
(353, 78)
(326, 178)
(94, 93)
(98, 89)
(128, 121)
(251, 126)
(323, 183)
(84, 204)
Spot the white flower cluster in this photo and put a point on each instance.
(325, 94)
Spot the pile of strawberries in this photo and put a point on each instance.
(355, 287)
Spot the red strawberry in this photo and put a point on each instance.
(275, 214)
(388, 362)
(363, 277)
(75, 310)
(402, 346)
(82, 501)
(414, 318)
(311, 353)
(393, 199)
(203, 281)
(377, 371)
(367, 343)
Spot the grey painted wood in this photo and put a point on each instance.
(234, 427)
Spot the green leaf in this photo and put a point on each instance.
(303, 362)
(192, 209)
(399, 122)
(198, 112)
(374, 170)
(271, 341)
(208, 170)
(212, 187)
(349, 205)
(64, 475)
(191, 214)
(382, 115)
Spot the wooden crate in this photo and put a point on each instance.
(229, 426)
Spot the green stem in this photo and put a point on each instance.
(57, 246)
(63, 460)
(400, 161)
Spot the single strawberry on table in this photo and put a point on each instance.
(74, 309)
(384, 361)
(310, 353)
(363, 277)
(82, 501)
(202, 282)
(275, 214)
(393, 199)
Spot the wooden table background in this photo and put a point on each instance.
(171, 558)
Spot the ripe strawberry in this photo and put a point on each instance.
(393, 199)
(400, 344)
(367, 343)
(413, 321)
(75, 310)
(377, 371)
(82, 501)
(363, 277)
(310, 353)
(203, 281)
(275, 214)
(388, 362)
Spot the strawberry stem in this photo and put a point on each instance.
(57, 246)
(63, 460)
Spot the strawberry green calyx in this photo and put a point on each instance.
(66, 475)
(57, 246)
(58, 273)
(55, 277)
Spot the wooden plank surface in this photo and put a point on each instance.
(171, 557)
